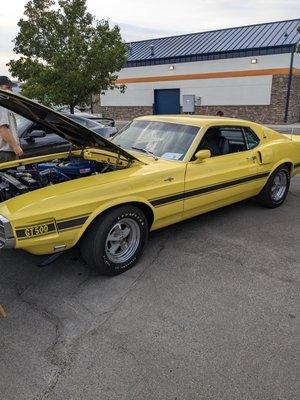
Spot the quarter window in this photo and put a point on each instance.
(251, 138)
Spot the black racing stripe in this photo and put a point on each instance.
(224, 185)
(206, 189)
(169, 199)
(21, 233)
(165, 197)
(71, 223)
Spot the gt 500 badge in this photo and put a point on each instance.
(36, 230)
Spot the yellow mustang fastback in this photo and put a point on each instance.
(107, 195)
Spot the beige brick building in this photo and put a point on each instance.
(252, 72)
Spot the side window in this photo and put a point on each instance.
(251, 138)
(233, 139)
(222, 140)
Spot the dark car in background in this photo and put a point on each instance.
(104, 129)
(95, 117)
(36, 140)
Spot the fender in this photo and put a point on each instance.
(281, 162)
(110, 204)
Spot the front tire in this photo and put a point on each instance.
(115, 241)
(276, 189)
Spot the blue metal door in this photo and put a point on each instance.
(166, 101)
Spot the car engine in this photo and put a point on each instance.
(23, 179)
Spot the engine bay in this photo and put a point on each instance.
(26, 178)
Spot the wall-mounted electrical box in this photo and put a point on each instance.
(188, 103)
(198, 101)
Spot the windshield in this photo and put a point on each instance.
(162, 139)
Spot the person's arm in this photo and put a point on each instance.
(6, 135)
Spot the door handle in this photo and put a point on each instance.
(251, 158)
(169, 179)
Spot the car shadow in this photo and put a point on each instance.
(21, 275)
(20, 266)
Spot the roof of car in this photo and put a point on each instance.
(197, 120)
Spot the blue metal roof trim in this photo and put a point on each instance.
(245, 38)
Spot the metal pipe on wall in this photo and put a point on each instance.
(288, 94)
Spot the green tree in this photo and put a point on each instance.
(66, 54)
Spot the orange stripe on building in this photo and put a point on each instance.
(296, 71)
(210, 75)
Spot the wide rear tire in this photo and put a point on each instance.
(115, 241)
(276, 189)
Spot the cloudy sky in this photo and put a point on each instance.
(143, 19)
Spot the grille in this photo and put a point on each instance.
(6, 233)
(2, 230)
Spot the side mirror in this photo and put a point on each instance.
(201, 155)
(37, 133)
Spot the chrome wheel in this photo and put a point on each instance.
(279, 186)
(122, 240)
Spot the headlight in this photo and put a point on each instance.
(7, 239)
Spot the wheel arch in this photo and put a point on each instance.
(144, 206)
(290, 165)
(280, 163)
(265, 195)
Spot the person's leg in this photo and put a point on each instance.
(6, 156)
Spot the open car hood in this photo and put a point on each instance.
(70, 130)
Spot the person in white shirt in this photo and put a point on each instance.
(9, 141)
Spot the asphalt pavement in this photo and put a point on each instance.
(211, 311)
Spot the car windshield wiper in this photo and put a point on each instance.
(145, 151)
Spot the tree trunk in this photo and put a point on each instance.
(72, 108)
(92, 104)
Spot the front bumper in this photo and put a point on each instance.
(7, 239)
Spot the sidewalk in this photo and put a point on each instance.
(288, 128)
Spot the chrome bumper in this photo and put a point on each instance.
(7, 239)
